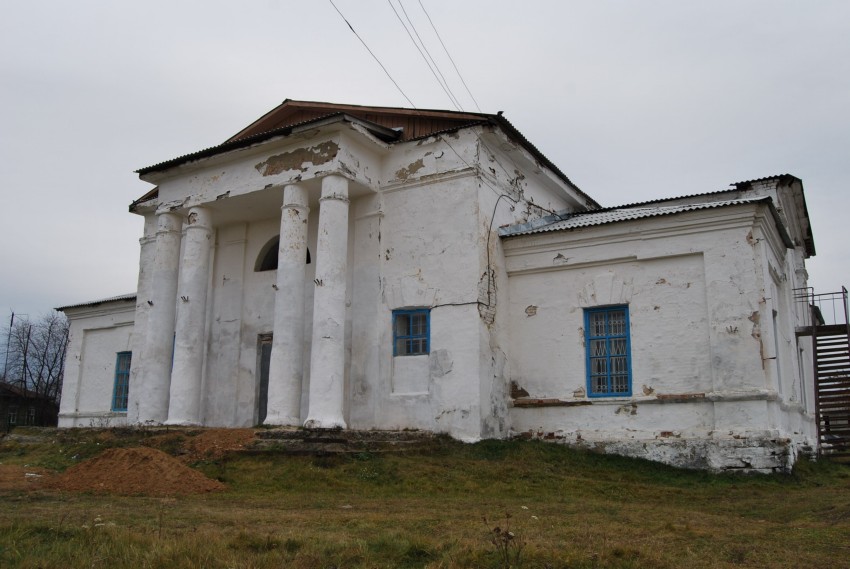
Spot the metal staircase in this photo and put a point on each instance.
(830, 331)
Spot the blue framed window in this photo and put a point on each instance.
(411, 332)
(122, 381)
(609, 360)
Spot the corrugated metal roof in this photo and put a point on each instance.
(737, 187)
(123, 297)
(611, 215)
(512, 132)
(764, 179)
(390, 136)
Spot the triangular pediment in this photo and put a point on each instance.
(411, 123)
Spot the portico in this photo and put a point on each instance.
(198, 275)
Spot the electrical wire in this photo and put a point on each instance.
(450, 56)
(375, 57)
(445, 141)
(416, 45)
(428, 53)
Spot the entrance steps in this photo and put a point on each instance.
(290, 440)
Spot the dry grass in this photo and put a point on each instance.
(427, 509)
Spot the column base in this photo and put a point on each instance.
(282, 421)
(334, 424)
(182, 423)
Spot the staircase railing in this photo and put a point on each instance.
(826, 318)
(823, 309)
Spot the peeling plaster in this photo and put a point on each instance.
(405, 173)
(299, 159)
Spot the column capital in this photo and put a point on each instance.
(334, 188)
(168, 222)
(294, 197)
(199, 217)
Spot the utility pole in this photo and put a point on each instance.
(8, 339)
(24, 364)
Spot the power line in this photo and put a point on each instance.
(416, 45)
(450, 56)
(501, 193)
(428, 53)
(375, 57)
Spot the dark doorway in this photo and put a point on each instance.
(264, 352)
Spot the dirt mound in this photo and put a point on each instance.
(132, 471)
(202, 444)
(21, 477)
(212, 444)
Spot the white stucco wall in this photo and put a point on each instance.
(420, 219)
(695, 288)
(715, 357)
(97, 333)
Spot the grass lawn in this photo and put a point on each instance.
(492, 504)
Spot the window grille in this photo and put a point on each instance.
(608, 351)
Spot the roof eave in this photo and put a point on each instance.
(383, 133)
(512, 132)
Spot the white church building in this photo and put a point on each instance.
(347, 267)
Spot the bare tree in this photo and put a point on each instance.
(35, 361)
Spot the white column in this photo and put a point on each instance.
(154, 381)
(184, 408)
(286, 368)
(327, 358)
(147, 255)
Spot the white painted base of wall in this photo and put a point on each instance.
(92, 419)
(763, 452)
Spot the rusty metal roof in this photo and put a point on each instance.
(344, 113)
(381, 132)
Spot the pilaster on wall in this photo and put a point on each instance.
(225, 330)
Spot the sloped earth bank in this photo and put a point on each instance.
(206, 444)
(133, 471)
(13, 477)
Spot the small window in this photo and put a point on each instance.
(267, 259)
(609, 367)
(31, 416)
(122, 381)
(13, 416)
(411, 332)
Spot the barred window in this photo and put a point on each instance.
(608, 351)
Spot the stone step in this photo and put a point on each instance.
(336, 441)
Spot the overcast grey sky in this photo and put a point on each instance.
(632, 100)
